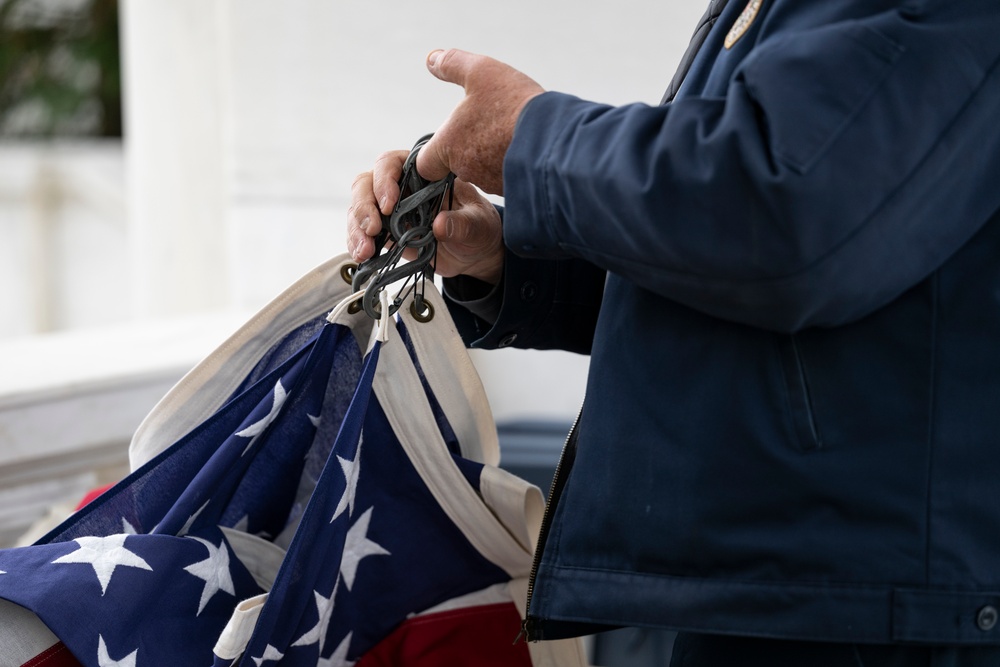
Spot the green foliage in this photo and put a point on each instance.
(59, 68)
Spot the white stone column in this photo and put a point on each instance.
(174, 79)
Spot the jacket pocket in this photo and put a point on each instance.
(800, 407)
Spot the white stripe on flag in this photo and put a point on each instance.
(22, 635)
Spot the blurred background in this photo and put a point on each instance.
(168, 166)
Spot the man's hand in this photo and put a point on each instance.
(373, 194)
(470, 237)
(474, 139)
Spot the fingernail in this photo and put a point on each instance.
(364, 223)
(433, 56)
(450, 227)
(382, 201)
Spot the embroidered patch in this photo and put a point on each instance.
(743, 22)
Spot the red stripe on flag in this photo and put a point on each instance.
(56, 655)
(481, 636)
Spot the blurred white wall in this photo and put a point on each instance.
(247, 121)
(62, 236)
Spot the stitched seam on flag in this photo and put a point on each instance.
(49, 654)
(465, 612)
(439, 346)
(439, 472)
(396, 384)
(564, 652)
(495, 594)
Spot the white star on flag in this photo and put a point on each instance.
(352, 469)
(324, 607)
(270, 654)
(258, 427)
(214, 571)
(186, 528)
(339, 657)
(128, 528)
(104, 554)
(104, 660)
(356, 547)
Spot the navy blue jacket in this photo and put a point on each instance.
(788, 279)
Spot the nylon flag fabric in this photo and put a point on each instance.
(316, 492)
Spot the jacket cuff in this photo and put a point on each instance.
(542, 305)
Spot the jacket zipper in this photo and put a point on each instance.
(530, 626)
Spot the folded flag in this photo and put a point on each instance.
(334, 509)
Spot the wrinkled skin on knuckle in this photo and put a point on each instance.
(385, 177)
(354, 239)
(361, 189)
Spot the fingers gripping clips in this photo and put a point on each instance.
(408, 227)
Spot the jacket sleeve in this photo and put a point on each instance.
(840, 166)
(543, 304)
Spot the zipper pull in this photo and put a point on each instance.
(527, 631)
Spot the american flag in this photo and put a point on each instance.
(299, 486)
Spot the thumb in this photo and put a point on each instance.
(459, 228)
(452, 65)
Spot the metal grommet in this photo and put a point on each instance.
(347, 273)
(354, 307)
(529, 291)
(426, 315)
(987, 618)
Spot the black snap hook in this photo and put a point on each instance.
(408, 227)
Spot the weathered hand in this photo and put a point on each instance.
(373, 194)
(473, 140)
(470, 237)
